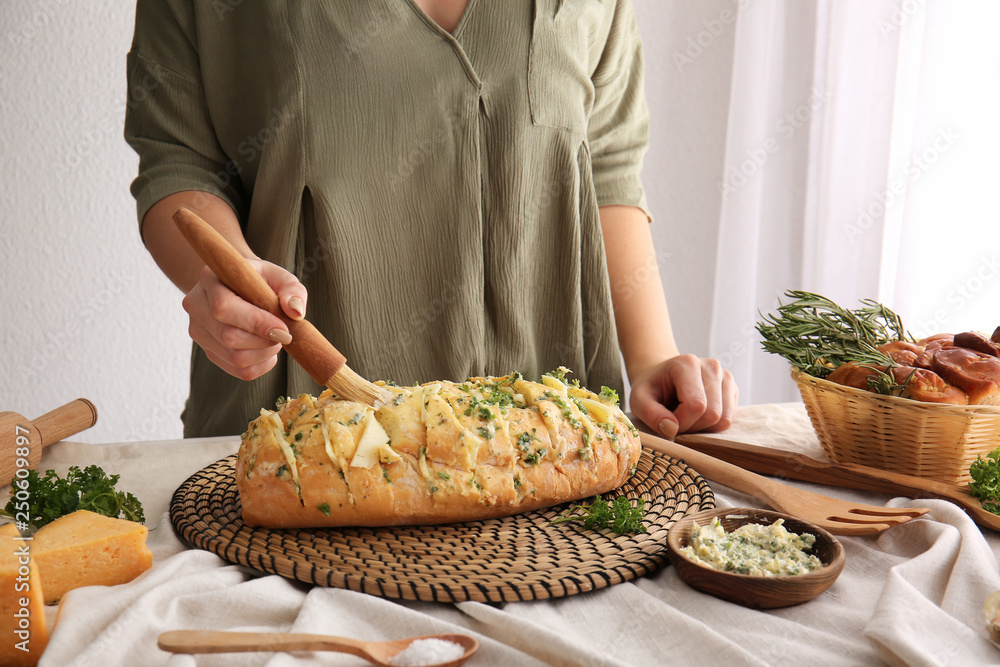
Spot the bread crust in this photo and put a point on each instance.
(485, 448)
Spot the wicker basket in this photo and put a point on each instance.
(930, 440)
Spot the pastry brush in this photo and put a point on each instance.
(309, 347)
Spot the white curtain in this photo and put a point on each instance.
(943, 274)
(829, 100)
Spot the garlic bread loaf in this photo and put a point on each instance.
(437, 453)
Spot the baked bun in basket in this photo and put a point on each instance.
(976, 373)
(437, 453)
(920, 384)
(960, 369)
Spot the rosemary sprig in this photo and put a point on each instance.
(817, 335)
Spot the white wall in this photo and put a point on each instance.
(84, 310)
(689, 56)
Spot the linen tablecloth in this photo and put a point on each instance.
(912, 595)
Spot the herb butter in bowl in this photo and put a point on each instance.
(753, 557)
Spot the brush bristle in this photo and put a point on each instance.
(348, 384)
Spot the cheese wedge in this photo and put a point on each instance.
(89, 549)
(22, 611)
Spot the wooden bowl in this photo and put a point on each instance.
(748, 590)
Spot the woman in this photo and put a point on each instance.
(454, 188)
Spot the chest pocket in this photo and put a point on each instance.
(560, 91)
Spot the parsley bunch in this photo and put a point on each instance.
(619, 515)
(91, 489)
(985, 483)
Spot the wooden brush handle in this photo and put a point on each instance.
(308, 347)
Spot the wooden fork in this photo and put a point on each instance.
(839, 517)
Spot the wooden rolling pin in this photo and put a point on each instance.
(17, 433)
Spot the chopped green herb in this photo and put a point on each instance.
(619, 515)
(443, 475)
(559, 373)
(566, 410)
(324, 508)
(524, 441)
(609, 394)
(385, 475)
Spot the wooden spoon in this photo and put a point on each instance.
(379, 653)
(18, 433)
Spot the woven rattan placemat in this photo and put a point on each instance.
(514, 558)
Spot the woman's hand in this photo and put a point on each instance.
(685, 393)
(237, 336)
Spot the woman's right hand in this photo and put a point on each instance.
(237, 336)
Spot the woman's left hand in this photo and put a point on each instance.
(683, 394)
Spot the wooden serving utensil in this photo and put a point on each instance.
(17, 432)
(379, 653)
(839, 517)
(779, 463)
(324, 363)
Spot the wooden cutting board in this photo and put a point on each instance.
(791, 465)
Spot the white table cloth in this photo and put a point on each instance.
(912, 595)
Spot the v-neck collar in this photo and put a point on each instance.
(434, 25)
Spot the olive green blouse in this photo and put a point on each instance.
(436, 193)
